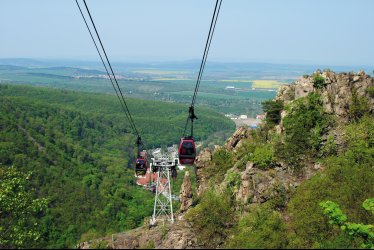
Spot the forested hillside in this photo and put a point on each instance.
(160, 123)
(72, 151)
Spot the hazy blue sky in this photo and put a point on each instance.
(336, 32)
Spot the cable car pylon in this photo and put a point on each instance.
(163, 205)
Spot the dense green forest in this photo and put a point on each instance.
(69, 155)
(160, 123)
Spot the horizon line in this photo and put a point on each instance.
(142, 60)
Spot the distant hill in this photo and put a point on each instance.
(22, 62)
(11, 67)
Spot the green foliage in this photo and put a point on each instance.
(233, 180)
(211, 218)
(369, 205)
(334, 213)
(101, 244)
(279, 201)
(262, 227)
(149, 245)
(358, 107)
(347, 179)
(273, 111)
(79, 148)
(83, 174)
(222, 161)
(337, 217)
(245, 152)
(19, 211)
(329, 148)
(263, 156)
(370, 91)
(318, 81)
(304, 126)
(167, 119)
(361, 131)
(359, 138)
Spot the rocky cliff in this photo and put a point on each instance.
(258, 185)
(337, 91)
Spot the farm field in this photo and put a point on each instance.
(266, 84)
(229, 88)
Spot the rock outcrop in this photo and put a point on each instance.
(259, 186)
(336, 93)
(169, 236)
(186, 193)
(202, 161)
(240, 134)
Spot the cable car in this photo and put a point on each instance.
(141, 164)
(187, 151)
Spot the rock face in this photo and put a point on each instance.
(286, 93)
(202, 161)
(240, 134)
(303, 87)
(259, 186)
(186, 193)
(169, 236)
(205, 157)
(336, 92)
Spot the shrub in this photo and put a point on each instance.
(347, 179)
(355, 230)
(273, 111)
(101, 244)
(263, 156)
(149, 245)
(318, 81)
(360, 140)
(304, 126)
(211, 218)
(222, 160)
(359, 132)
(260, 228)
(329, 148)
(233, 180)
(19, 212)
(370, 91)
(280, 200)
(359, 106)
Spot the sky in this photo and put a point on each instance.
(332, 32)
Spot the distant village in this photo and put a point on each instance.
(244, 120)
(233, 88)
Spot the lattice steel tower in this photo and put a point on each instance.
(163, 206)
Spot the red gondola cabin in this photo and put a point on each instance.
(140, 166)
(187, 151)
